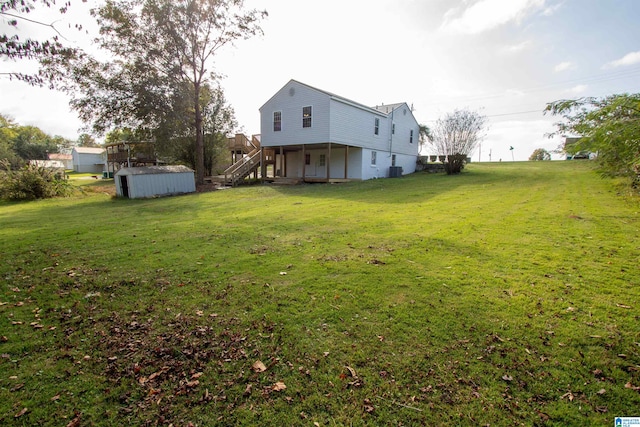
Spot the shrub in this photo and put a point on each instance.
(32, 182)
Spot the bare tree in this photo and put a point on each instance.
(456, 136)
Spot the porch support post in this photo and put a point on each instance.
(304, 162)
(282, 165)
(263, 168)
(328, 163)
(346, 161)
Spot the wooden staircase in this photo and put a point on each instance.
(249, 163)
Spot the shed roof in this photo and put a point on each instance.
(59, 156)
(88, 150)
(154, 170)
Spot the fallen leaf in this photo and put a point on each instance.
(283, 273)
(21, 413)
(74, 422)
(623, 306)
(258, 366)
(4, 339)
(602, 391)
(631, 386)
(247, 391)
(279, 386)
(352, 371)
(568, 395)
(507, 377)
(56, 397)
(199, 313)
(197, 375)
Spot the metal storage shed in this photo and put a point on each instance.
(154, 181)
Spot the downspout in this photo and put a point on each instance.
(391, 134)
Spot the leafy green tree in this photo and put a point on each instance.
(456, 136)
(86, 140)
(425, 134)
(609, 126)
(540, 154)
(162, 59)
(219, 120)
(13, 48)
(31, 143)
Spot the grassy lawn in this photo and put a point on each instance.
(507, 295)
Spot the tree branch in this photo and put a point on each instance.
(52, 26)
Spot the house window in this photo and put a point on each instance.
(411, 137)
(277, 121)
(306, 117)
(393, 129)
(376, 126)
(393, 160)
(373, 158)
(307, 159)
(323, 160)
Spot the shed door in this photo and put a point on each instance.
(124, 185)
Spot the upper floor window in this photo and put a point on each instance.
(376, 126)
(393, 128)
(411, 137)
(277, 121)
(306, 117)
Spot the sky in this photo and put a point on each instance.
(505, 59)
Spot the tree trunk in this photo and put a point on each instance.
(199, 137)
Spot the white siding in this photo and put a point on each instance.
(341, 122)
(405, 122)
(290, 104)
(87, 162)
(355, 126)
(154, 185)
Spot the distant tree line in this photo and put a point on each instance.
(19, 144)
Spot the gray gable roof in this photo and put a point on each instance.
(339, 98)
(154, 170)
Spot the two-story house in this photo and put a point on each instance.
(315, 135)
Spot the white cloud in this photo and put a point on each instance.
(488, 14)
(577, 90)
(515, 48)
(552, 9)
(563, 66)
(630, 58)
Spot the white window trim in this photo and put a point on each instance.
(310, 117)
(274, 121)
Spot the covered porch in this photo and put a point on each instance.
(325, 162)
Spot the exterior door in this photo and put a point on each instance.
(124, 185)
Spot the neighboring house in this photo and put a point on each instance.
(66, 159)
(314, 135)
(154, 181)
(48, 164)
(568, 148)
(89, 159)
